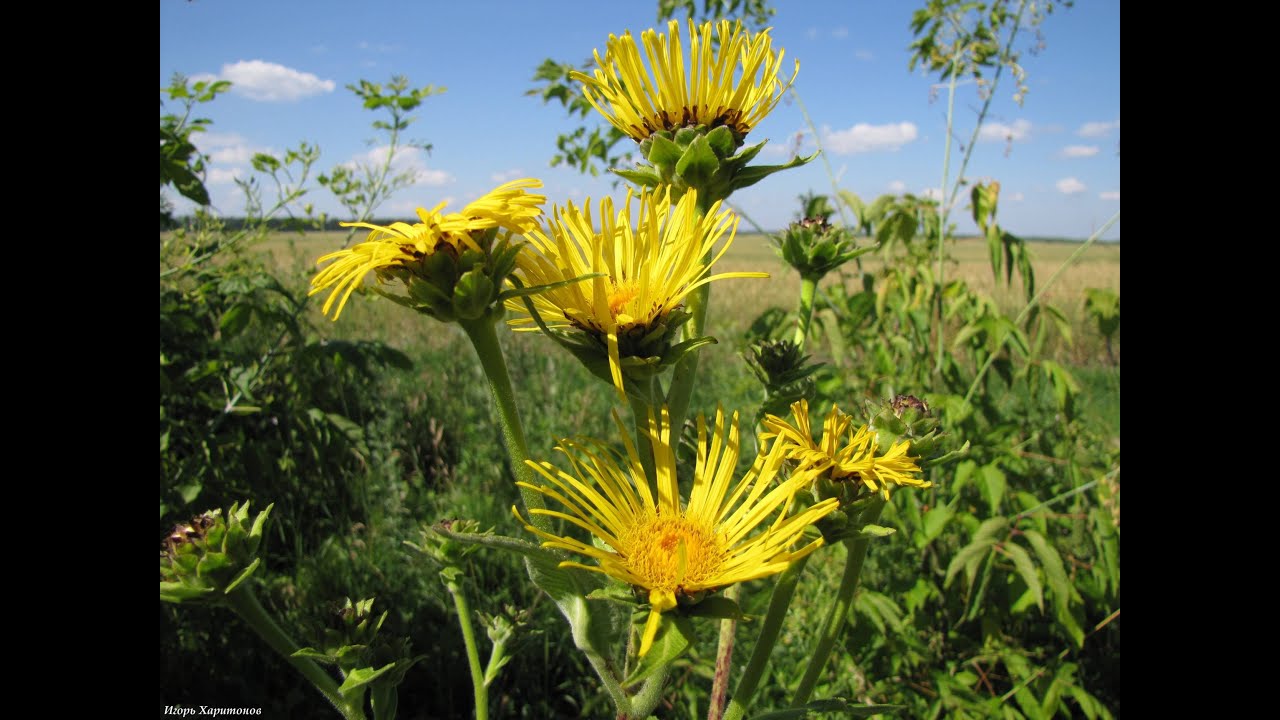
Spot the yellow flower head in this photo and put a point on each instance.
(648, 268)
(731, 80)
(844, 454)
(671, 548)
(399, 244)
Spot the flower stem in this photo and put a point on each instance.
(485, 340)
(834, 623)
(640, 413)
(778, 604)
(473, 652)
(643, 703)
(808, 288)
(724, 659)
(686, 371)
(246, 605)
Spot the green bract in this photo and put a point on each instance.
(814, 247)
(710, 160)
(207, 558)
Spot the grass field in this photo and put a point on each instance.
(737, 303)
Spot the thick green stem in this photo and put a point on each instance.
(650, 695)
(640, 413)
(473, 651)
(724, 659)
(769, 629)
(485, 340)
(833, 625)
(808, 288)
(246, 605)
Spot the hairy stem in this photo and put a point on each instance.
(783, 591)
(473, 651)
(485, 340)
(246, 605)
(833, 625)
(808, 288)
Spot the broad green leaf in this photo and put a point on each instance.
(674, 637)
(699, 163)
(934, 521)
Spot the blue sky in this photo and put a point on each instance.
(883, 126)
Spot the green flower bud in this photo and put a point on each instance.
(210, 556)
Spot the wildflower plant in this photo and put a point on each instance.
(632, 545)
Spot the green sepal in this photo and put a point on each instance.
(473, 294)
(698, 164)
(242, 576)
(643, 176)
(749, 176)
(721, 141)
(176, 592)
(662, 152)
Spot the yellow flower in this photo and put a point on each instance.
(733, 82)
(843, 453)
(400, 245)
(663, 545)
(648, 268)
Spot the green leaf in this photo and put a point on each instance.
(751, 175)
(235, 319)
(935, 520)
(1026, 570)
(829, 705)
(675, 635)
(992, 482)
(360, 677)
(721, 141)
(970, 555)
(1059, 585)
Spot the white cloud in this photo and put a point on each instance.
(1070, 186)
(507, 175)
(897, 187)
(1079, 151)
(931, 193)
(840, 32)
(812, 33)
(869, 138)
(1017, 197)
(1000, 132)
(407, 159)
(1097, 129)
(269, 82)
(1113, 195)
(224, 176)
(864, 55)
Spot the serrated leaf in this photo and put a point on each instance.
(992, 482)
